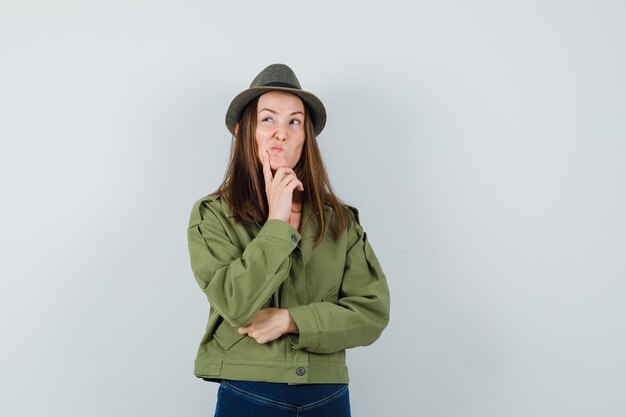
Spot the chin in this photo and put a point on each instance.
(275, 166)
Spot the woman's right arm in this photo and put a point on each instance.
(238, 283)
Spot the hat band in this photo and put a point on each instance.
(279, 84)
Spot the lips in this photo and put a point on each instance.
(276, 148)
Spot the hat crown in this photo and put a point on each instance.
(278, 75)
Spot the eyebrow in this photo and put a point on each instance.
(274, 112)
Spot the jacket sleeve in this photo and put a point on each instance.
(238, 283)
(361, 312)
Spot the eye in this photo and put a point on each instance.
(267, 119)
(295, 121)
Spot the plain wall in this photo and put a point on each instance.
(484, 143)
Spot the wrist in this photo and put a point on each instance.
(274, 216)
(291, 326)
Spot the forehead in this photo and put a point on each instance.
(281, 101)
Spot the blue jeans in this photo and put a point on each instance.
(268, 399)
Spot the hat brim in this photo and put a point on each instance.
(239, 103)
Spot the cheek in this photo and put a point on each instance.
(300, 148)
(299, 153)
(260, 142)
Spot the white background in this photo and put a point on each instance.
(483, 142)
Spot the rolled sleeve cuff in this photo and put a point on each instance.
(309, 336)
(278, 229)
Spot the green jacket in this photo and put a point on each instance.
(336, 293)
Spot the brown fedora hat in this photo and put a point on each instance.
(276, 77)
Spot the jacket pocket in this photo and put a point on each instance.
(226, 335)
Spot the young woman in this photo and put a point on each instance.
(289, 274)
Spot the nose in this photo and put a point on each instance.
(281, 132)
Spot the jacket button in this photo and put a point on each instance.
(294, 238)
(300, 371)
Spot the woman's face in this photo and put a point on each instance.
(280, 128)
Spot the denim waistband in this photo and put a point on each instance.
(297, 395)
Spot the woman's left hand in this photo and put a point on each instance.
(269, 324)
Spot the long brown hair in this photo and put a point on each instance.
(243, 187)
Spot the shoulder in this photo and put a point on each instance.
(354, 213)
(354, 231)
(207, 207)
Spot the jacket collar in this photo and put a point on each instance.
(226, 208)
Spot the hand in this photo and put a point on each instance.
(279, 189)
(269, 324)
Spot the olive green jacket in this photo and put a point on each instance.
(336, 293)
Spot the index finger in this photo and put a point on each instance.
(267, 169)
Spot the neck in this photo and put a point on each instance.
(296, 207)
